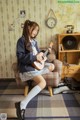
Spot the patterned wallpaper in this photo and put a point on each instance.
(37, 10)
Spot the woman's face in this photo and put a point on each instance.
(33, 32)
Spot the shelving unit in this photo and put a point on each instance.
(70, 56)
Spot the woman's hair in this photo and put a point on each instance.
(28, 24)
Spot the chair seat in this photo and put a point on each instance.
(52, 78)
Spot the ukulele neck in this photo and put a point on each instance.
(46, 52)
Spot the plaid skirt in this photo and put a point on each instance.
(31, 74)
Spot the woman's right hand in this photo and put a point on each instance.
(40, 56)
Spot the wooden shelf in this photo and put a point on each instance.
(69, 51)
(77, 33)
(70, 56)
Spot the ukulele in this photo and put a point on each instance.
(40, 65)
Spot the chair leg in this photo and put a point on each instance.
(50, 90)
(26, 90)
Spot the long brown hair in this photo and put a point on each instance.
(25, 33)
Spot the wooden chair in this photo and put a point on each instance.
(52, 79)
(27, 84)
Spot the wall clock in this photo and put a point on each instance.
(51, 22)
(51, 19)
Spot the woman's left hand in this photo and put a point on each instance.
(49, 49)
(45, 58)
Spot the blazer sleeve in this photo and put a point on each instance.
(23, 56)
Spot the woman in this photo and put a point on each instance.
(27, 53)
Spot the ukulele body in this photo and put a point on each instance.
(39, 65)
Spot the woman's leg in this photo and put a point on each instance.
(41, 83)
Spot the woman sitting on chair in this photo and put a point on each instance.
(27, 53)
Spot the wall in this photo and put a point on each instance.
(37, 10)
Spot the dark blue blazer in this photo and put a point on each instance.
(25, 58)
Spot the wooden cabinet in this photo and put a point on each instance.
(69, 56)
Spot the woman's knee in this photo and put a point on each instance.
(42, 84)
(40, 81)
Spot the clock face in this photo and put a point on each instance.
(51, 22)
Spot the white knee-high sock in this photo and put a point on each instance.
(31, 94)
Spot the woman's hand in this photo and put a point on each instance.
(49, 49)
(40, 56)
(45, 58)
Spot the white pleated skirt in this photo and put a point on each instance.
(31, 74)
